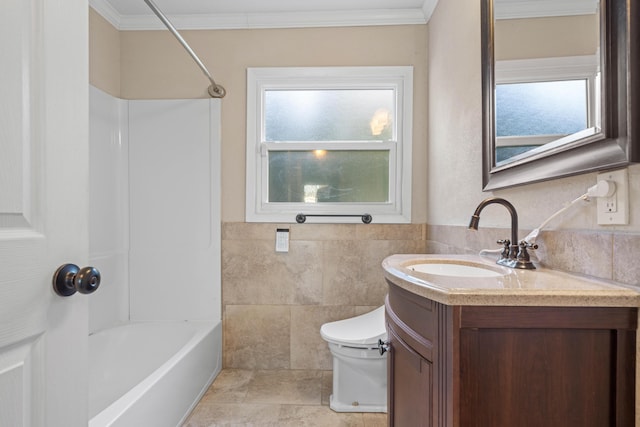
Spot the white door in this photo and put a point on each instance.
(43, 210)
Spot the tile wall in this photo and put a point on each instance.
(606, 255)
(274, 303)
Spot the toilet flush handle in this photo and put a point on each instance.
(383, 346)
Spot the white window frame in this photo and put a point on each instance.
(582, 67)
(396, 210)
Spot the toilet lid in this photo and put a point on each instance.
(364, 329)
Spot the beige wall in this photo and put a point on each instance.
(154, 65)
(455, 140)
(104, 55)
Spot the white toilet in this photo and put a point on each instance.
(359, 371)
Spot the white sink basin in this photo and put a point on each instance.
(454, 269)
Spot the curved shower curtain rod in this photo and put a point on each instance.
(215, 90)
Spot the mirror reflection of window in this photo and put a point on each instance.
(532, 114)
(541, 108)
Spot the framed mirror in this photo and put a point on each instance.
(560, 88)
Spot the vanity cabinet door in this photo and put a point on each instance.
(547, 366)
(410, 382)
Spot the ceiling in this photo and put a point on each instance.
(218, 14)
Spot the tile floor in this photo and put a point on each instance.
(274, 398)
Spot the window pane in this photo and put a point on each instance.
(321, 176)
(329, 115)
(541, 108)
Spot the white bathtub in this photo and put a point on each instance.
(151, 373)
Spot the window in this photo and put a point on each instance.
(329, 141)
(539, 101)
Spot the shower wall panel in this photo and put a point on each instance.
(174, 209)
(109, 210)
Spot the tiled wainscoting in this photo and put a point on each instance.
(606, 255)
(274, 303)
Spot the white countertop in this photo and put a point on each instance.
(539, 287)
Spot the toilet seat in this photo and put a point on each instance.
(364, 330)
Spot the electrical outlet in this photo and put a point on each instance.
(611, 203)
(614, 210)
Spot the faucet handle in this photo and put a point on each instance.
(516, 256)
(523, 255)
(506, 243)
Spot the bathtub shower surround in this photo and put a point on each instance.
(155, 342)
(109, 208)
(174, 252)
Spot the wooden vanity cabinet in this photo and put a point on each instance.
(504, 366)
(415, 374)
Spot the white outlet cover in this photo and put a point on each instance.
(614, 210)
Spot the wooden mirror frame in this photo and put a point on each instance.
(617, 145)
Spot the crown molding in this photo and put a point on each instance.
(505, 9)
(428, 7)
(106, 11)
(264, 20)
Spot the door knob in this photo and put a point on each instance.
(69, 279)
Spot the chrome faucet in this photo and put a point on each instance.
(514, 253)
